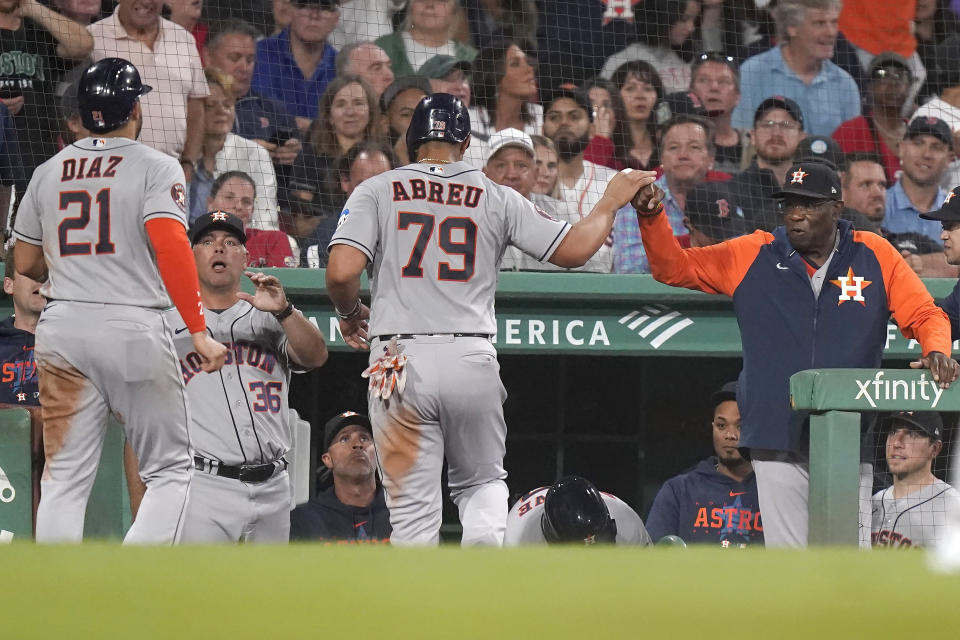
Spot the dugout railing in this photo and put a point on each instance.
(836, 397)
(609, 376)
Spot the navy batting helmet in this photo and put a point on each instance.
(106, 93)
(438, 117)
(574, 511)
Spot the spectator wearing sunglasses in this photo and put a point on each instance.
(715, 79)
(882, 127)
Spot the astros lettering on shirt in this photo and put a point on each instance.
(18, 369)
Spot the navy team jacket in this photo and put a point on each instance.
(705, 506)
(784, 328)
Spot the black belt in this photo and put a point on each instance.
(410, 336)
(253, 473)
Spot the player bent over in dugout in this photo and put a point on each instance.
(434, 232)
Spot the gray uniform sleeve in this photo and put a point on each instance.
(165, 195)
(630, 529)
(359, 223)
(531, 229)
(27, 226)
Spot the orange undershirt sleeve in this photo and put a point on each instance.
(177, 269)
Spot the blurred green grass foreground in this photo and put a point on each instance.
(304, 591)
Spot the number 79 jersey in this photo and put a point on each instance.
(87, 207)
(435, 236)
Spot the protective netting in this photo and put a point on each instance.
(277, 110)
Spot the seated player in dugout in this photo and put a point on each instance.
(914, 511)
(350, 506)
(18, 380)
(240, 429)
(573, 511)
(716, 501)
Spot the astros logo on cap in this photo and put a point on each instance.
(798, 176)
(219, 216)
(948, 198)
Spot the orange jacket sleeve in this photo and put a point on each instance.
(908, 299)
(177, 269)
(715, 269)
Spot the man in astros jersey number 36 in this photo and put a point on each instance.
(435, 232)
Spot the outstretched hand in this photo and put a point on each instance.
(354, 330)
(627, 184)
(943, 368)
(648, 199)
(268, 293)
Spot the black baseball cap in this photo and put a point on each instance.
(341, 421)
(927, 422)
(930, 126)
(949, 211)
(711, 210)
(679, 103)
(779, 102)
(824, 149)
(727, 392)
(885, 60)
(811, 179)
(577, 95)
(400, 85)
(214, 220)
(440, 65)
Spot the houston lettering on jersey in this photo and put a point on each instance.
(891, 539)
(450, 193)
(242, 352)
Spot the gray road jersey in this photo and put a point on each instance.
(523, 521)
(240, 413)
(435, 235)
(87, 207)
(915, 520)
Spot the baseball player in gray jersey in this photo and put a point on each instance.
(914, 511)
(240, 427)
(105, 218)
(434, 232)
(573, 511)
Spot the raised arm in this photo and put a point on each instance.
(587, 236)
(73, 41)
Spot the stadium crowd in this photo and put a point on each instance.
(277, 113)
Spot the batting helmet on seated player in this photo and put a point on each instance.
(440, 117)
(574, 511)
(107, 91)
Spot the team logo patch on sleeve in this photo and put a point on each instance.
(343, 217)
(544, 214)
(179, 195)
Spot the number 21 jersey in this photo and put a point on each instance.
(87, 207)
